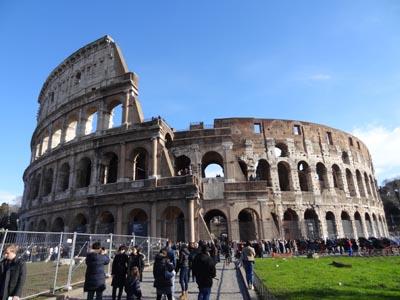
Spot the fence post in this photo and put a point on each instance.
(109, 255)
(58, 263)
(71, 263)
(148, 250)
(3, 242)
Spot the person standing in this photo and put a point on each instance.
(248, 255)
(12, 274)
(118, 272)
(95, 278)
(132, 286)
(183, 264)
(136, 259)
(204, 271)
(163, 272)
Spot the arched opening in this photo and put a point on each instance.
(243, 168)
(138, 222)
(322, 176)
(168, 141)
(281, 150)
(312, 224)
(337, 177)
(109, 168)
(91, 121)
(263, 172)
(84, 172)
(350, 183)
(303, 171)
(347, 225)
(173, 224)
(284, 176)
(358, 223)
(291, 225)
(182, 165)
(105, 224)
(56, 138)
(367, 184)
(80, 223)
(140, 164)
(48, 182)
(58, 225)
(217, 224)
(369, 225)
(360, 184)
(42, 227)
(345, 158)
(45, 145)
(212, 165)
(35, 186)
(70, 133)
(248, 225)
(114, 115)
(63, 177)
(331, 225)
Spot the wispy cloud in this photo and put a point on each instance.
(320, 77)
(9, 198)
(384, 145)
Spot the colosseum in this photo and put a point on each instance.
(93, 172)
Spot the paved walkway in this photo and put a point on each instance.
(227, 286)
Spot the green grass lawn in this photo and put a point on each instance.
(303, 278)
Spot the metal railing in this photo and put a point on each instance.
(56, 260)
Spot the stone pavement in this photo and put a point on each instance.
(229, 285)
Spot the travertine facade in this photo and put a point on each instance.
(278, 178)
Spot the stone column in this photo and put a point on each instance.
(153, 221)
(190, 206)
(313, 176)
(103, 117)
(122, 162)
(63, 130)
(364, 225)
(353, 224)
(119, 220)
(126, 107)
(80, 130)
(154, 157)
(229, 173)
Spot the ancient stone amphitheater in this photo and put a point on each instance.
(93, 172)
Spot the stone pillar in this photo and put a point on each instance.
(262, 222)
(330, 183)
(364, 226)
(119, 220)
(126, 107)
(357, 189)
(103, 117)
(153, 221)
(55, 180)
(353, 224)
(40, 193)
(80, 130)
(190, 213)
(122, 162)
(229, 169)
(313, 177)
(154, 170)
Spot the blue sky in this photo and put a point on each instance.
(336, 63)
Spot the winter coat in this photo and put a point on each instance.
(119, 270)
(95, 277)
(160, 267)
(132, 288)
(204, 270)
(183, 261)
(12, 278)
(136, 261)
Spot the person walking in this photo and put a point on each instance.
(118, 272)
(12, 274)
(95, 279)
(204, 271)
(248, 255)
(183, 264)
(163, 271)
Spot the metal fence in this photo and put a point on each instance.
(56, 261)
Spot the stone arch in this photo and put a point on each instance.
(281, 150)
(140, 164)
(79, 224)
(42, 227)
(350, 183)
(345, 158)
(369, 224)
(109, 168)
(182, 165)
(58, 225)
(173, 224)
(212, 158)
(358, 223)
(217, 223)
(312, 224)
(168, 141)
(56, 138)
(48, 181)
(83, 172)
(284, 176)
(45, 145)
(331, 224)
(263, 171)
(347, 225)
(322, 175)
(63, 177)
(71, 130)
(248, 224)
(244, 169)
(138, 222)
(35, 185)
(291, 225)
(91, 120)
(304, 174)
(360, 184)
(113, 115)
(337, 177)
(105, 223)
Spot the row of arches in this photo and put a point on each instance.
(76, 124)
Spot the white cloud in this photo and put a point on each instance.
(9, 198)
(320, 77)
(384, 146)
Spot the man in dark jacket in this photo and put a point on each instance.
(204, 271)
(119, 271)
(163, 272)
(12, 274)
(95, 278)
